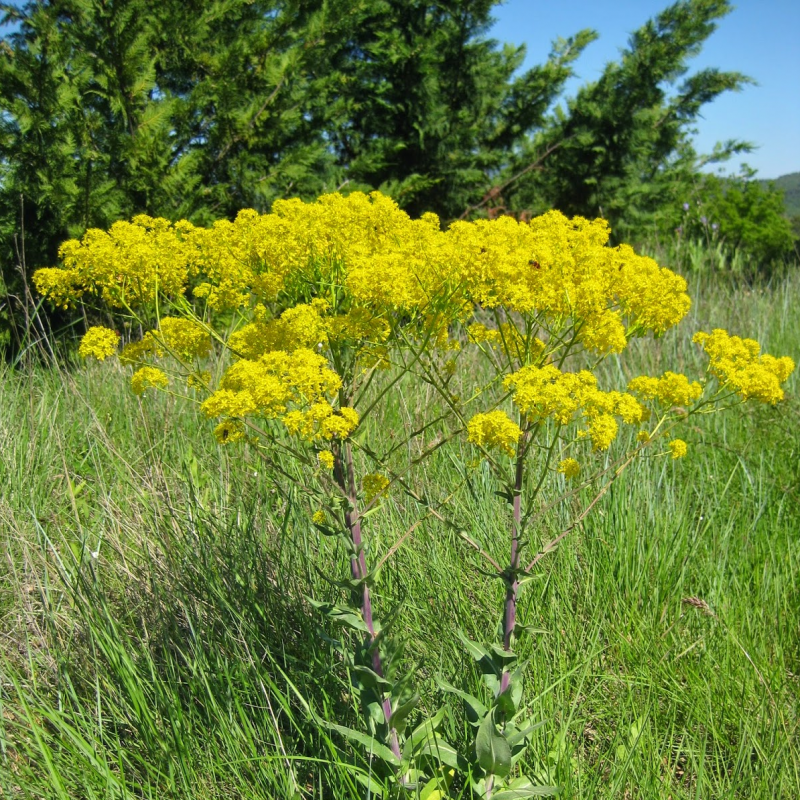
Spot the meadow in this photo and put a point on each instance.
(157, 641)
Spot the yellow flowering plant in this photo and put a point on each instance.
(312, 315)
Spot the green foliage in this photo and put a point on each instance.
(790, 186)
(429, 107)
(115, 108)
(743, 215)
(622, 147)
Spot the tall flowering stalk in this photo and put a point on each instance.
(312, 314)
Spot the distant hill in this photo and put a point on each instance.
(791, 187)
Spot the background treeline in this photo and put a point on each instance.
(189, 109)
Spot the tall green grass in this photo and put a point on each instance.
(156, 640)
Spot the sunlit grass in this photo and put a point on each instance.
(157, 641)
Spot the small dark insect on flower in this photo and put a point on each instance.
(534, 263)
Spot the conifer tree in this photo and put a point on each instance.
(622, 149)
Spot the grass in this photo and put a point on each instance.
(156, 640)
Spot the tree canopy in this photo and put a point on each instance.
(189, 109)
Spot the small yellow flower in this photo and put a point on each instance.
(643, 436)
(318, 517)
(678, 448)
(99, 342)
(148, 378)
(374, 486)
(569, 468)
(325, 459)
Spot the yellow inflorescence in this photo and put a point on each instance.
(230, 431)
(374, 485)
(318, 517)
(301, 286)
(148, 378)
(184, 337)
(321, 422)
(738, 364)
(546, 392)
(384, 261)
(494, 429)
(326, 460)
(678, 448)
(99, 342)
(569, 468)
(671, 389)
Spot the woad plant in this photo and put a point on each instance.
(292, 329)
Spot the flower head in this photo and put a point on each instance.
(678, 448)
(569, 468)
(99, 342)
(374, 485)
(148, 378)
(494, 429)
(739, 365)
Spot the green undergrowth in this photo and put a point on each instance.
(157, 640)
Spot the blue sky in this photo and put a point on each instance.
(759, 38)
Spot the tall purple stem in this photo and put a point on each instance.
(344, 473)
(512, 585)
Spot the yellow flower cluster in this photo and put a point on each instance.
(99, 342)
(374, 485)
(316, 292)
(127, 265)
(184, 337)
(671, 389)
(739, 365)
(229, 431)
(383, 261)
(326, 459)
(148, 378)
(301, 326)
(546, 392)
(678, 448)
(267, 385)
(569, 468)
(494, 429)
(321, 421)
(562, 268)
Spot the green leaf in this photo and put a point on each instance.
(371, 785)
(436, 788)
(522, 791)
(423, 731)
(490, 666)
(368, 677)
(518, 736)
(432, 790)
(492, 750)
(400, 714)
(442, 751)
(370, 744)
(342, 615)
(478, 652)
(476, 710)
